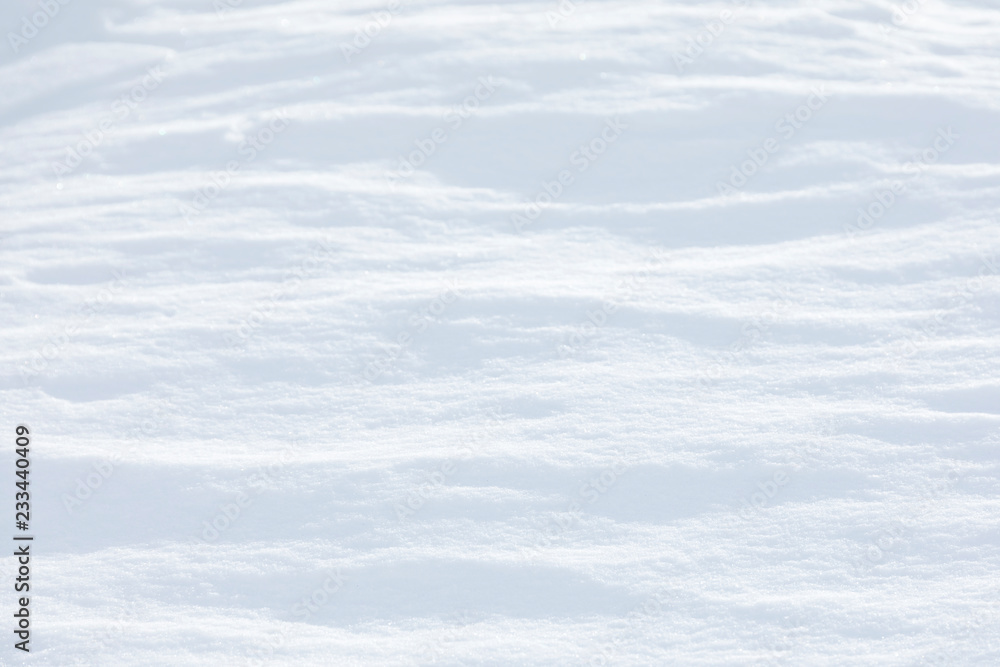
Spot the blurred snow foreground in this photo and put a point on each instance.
(533, 333)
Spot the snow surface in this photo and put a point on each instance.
(406, 386)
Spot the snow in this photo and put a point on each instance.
(533, 333)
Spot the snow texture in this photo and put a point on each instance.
(562, 332)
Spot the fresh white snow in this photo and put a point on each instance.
(563, 332)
